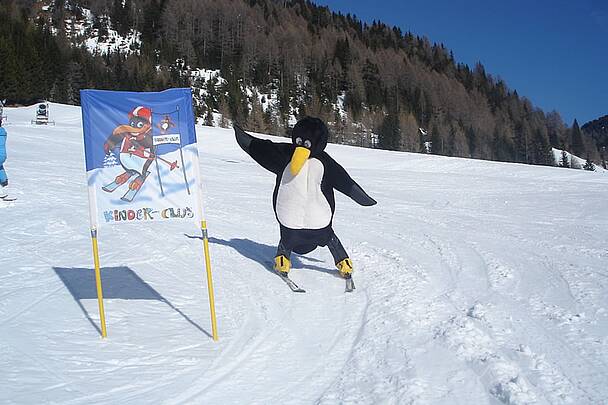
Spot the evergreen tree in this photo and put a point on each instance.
(564, 161)
(436, 141)
(224, 111)
(541, 151)
(209, 118)
(390, 132)
(110, 160)
(576, 140)
(373, 86)
(471, 141)
(450, 147)
(122, 16)
(522, 142)
(589, 164)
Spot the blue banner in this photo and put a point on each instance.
(141, 155)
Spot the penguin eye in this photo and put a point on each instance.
(298, 141)
(307, 144)
(140, 124)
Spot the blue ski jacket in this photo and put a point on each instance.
(3, 176)
(2, 145)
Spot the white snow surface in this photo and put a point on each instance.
(477, 283)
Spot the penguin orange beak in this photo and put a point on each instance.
(300, 155)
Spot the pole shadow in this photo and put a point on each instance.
(118, 283)
(264, 254)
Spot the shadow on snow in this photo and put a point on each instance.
(264, 254)
(118, 283)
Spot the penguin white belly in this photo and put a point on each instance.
(300, 201)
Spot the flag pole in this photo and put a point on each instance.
(181, 153)
(93, 222)
(160, 182)
(102, 315)
(201, 215)
(209, 279)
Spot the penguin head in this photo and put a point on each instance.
(309, 136)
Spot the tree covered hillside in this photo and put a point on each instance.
(277, 61)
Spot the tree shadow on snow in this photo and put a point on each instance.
(264, 254)
(117, 282)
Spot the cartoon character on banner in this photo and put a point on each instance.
(165, 124)
(136, 151)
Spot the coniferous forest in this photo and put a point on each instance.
(374, 84)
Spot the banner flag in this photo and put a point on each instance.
(141, 156)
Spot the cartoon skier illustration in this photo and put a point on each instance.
(136, 151)
(165, 124)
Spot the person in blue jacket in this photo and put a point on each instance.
(3, 177)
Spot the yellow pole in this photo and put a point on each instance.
(102, 314)
(209, 279)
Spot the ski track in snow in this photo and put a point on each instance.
(477, 282)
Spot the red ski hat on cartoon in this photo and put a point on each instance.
(141, 112)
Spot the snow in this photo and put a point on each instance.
(575, 161)
(339, 106)
(80, 30)
(206, 74)
(477, 283)
(114, 42)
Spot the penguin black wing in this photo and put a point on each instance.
(342, 182)
(271, 156)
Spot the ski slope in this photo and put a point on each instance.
(477, 283)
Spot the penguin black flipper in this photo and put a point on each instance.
(271, 156)
(342, 182)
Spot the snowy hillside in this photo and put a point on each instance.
(574, 162)
(477, 283)
(83, 28)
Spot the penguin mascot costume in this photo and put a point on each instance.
(303, 197)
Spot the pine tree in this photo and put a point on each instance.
(436, 141)
(224, 111)
(255, 120)
(541, 150)
(389, 132)
(564, 162)
(589, 164)
(110, 160)
(522, 142)
(576, 140)
(471, 141)
(373, 86)
(209, 117)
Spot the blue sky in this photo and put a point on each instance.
(553, 52)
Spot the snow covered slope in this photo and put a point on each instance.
(477, 283)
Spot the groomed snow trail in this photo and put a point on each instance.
(477, 282)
